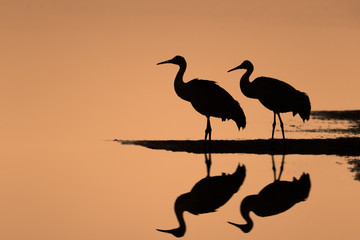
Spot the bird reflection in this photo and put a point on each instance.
(207, 195)
(275, 198)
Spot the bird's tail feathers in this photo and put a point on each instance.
(304, 185)
(239, 118)
(303, 106)
(240, 174)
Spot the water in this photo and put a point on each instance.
(100, 189)
(329, 124)
(322, 124)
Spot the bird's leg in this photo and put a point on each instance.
(208, 129)
(207, 133)
(208, 163)
(207, 152)
(282, 126)
(274, 124)
(273, 166)
(282, 166)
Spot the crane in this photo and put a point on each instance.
(208, 98)
(274, 94)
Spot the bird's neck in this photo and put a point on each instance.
(180, 206)
(245, 212)
(246, 207)
(245, 84)
(179, 84)
(180, 231)
(180, 218)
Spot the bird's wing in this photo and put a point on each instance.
(210, 99)
(274, 94)
(207, 89)
(272, 85)
(201, 82)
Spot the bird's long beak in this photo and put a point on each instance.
(235, 224)
(244, 227)
(177, 232)
(238, 67)
(167, 61)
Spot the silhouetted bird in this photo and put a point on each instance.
(206, 196)
(207, 97)
(273, 199)
(275, 95)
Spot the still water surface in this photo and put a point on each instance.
(104, 190)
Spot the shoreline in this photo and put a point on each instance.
(332, 146)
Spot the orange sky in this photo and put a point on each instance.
(74, 73)
(88, 68)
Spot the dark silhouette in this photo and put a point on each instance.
(351, 118)
(355, 168)
(347, 115)
(336, 146)
(275, 95)
(207, 97)
(275, 198)
(206, 196)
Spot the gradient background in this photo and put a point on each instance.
(87, 69)
(74, 73)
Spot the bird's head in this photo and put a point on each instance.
(177, 232)
(245, 65)
(178, 60)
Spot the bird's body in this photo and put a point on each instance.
(273, 199)
(210, 193)
(211, 100)
(280, 196)
(274, 94)
(207, 195)
(208, 98)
